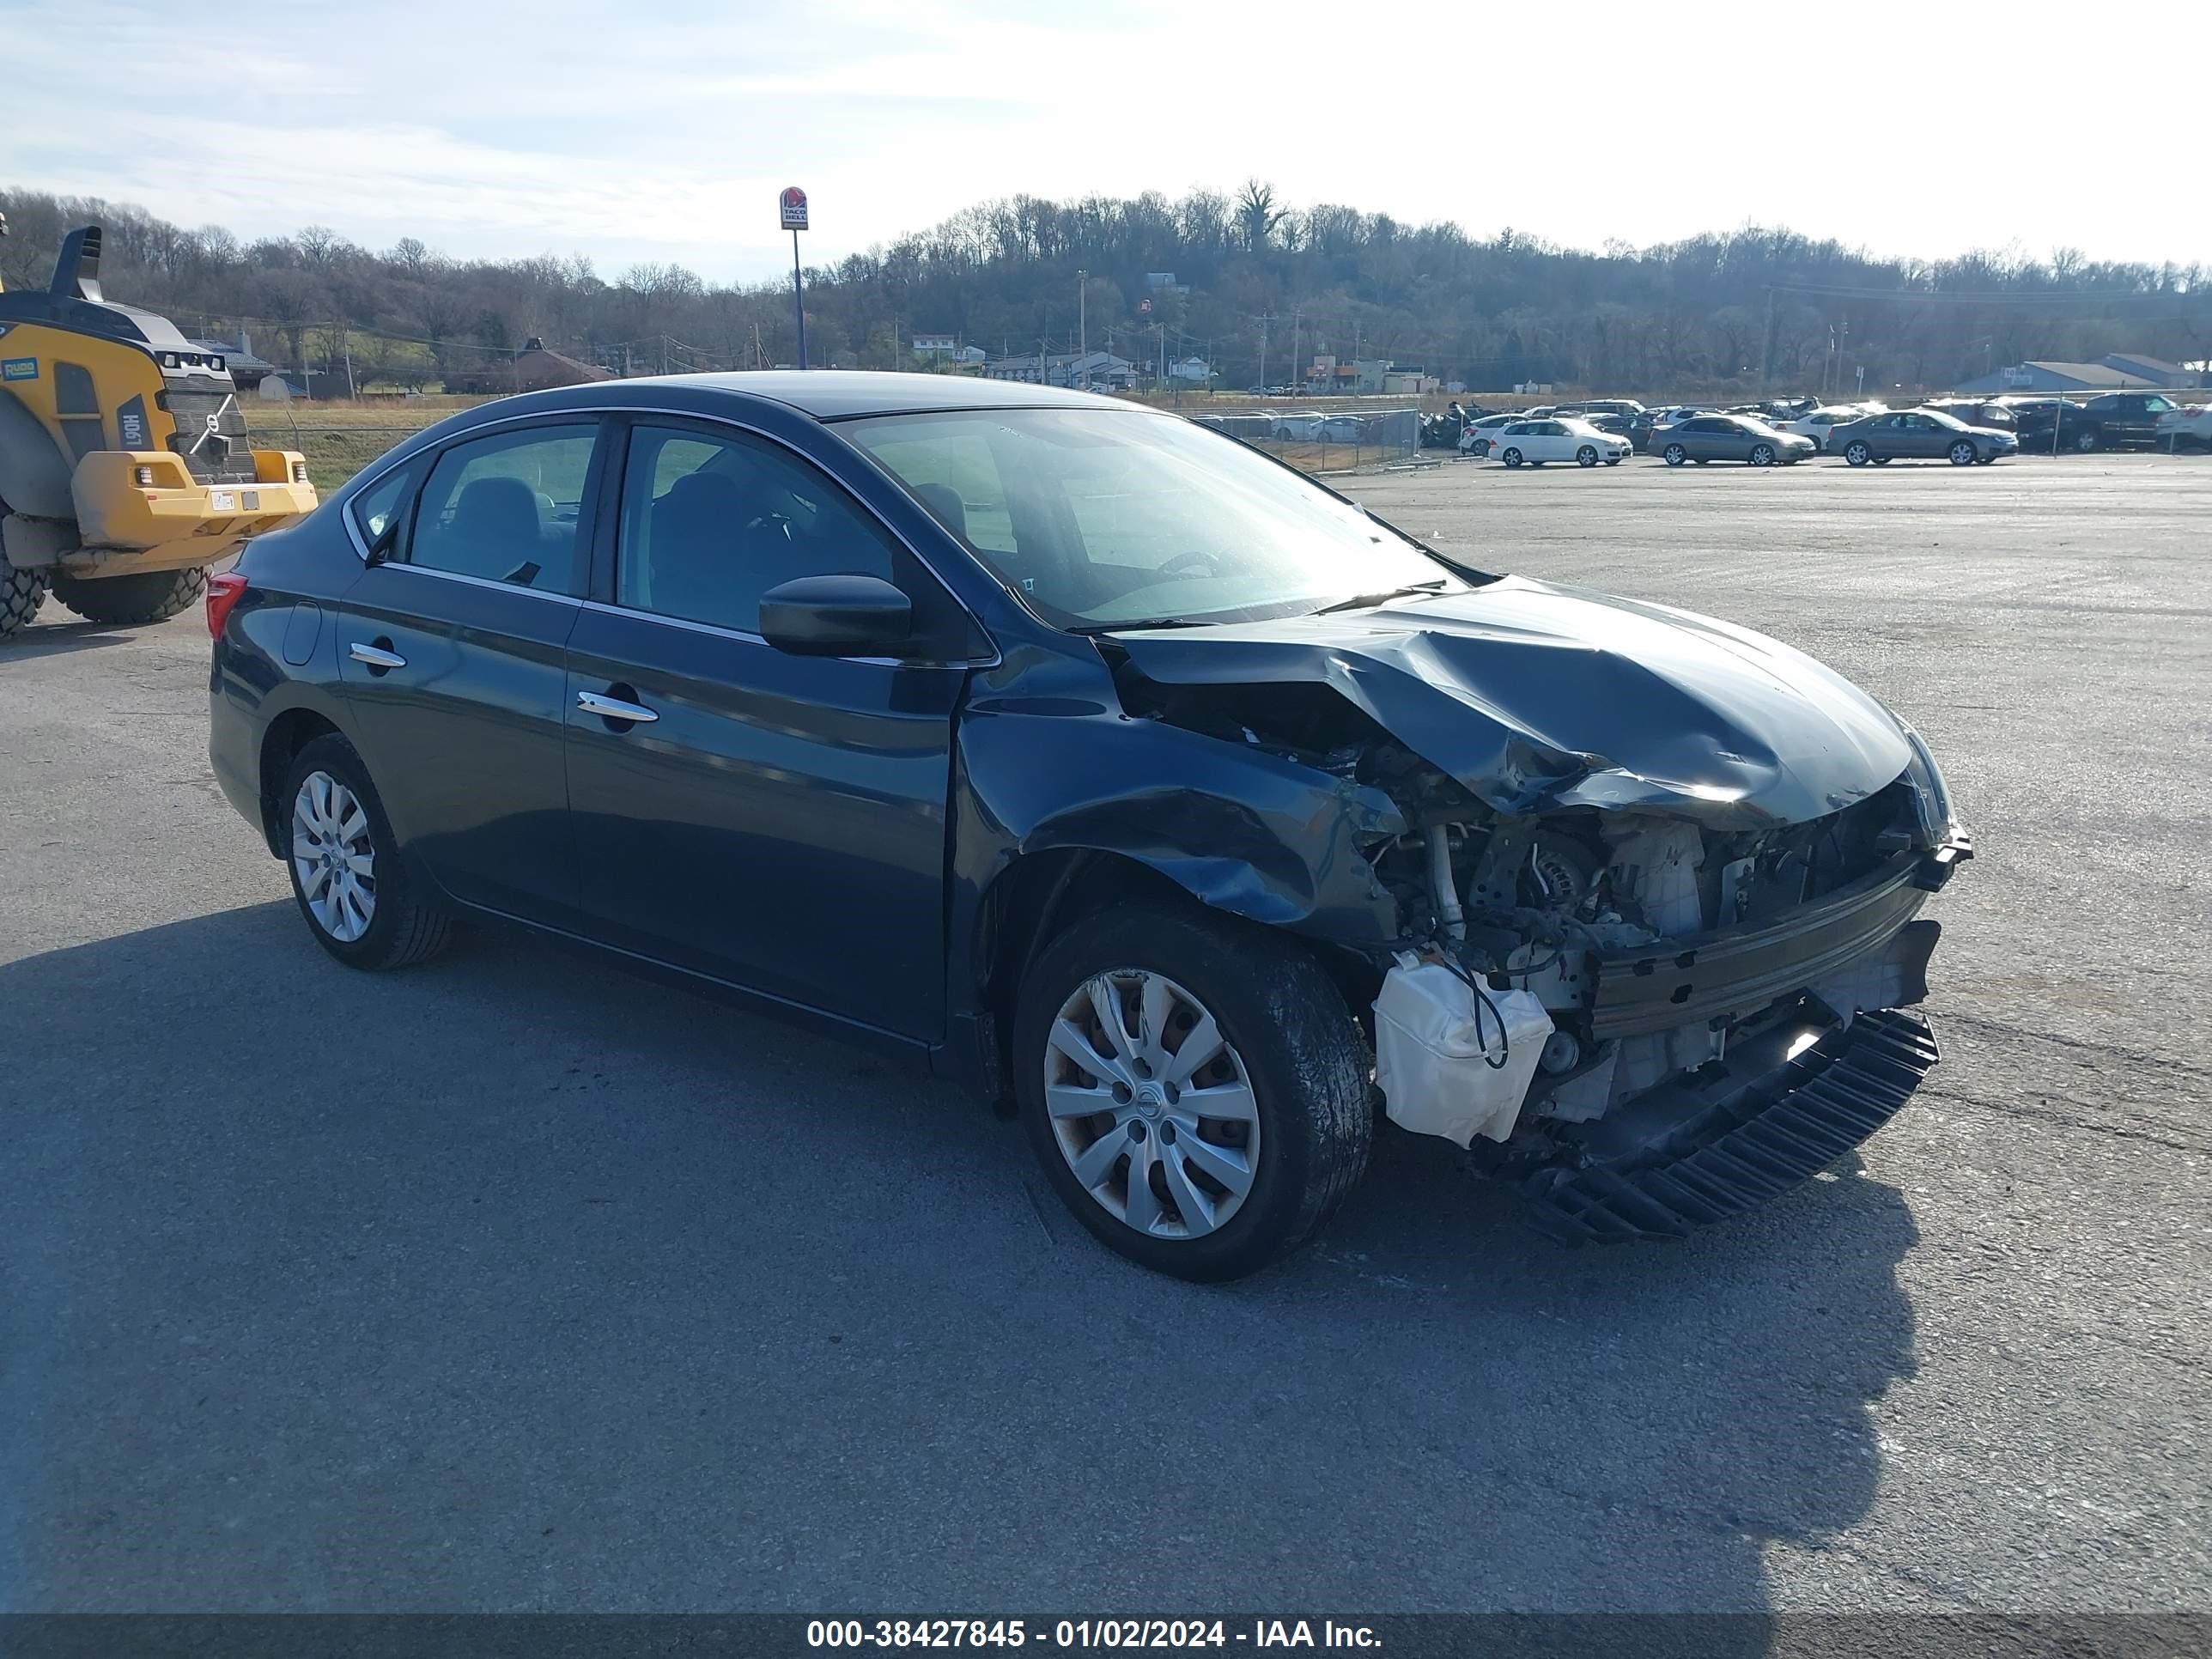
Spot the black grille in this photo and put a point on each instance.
(216, 453)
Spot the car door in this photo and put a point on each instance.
(1550, 442)
(774, 821)
(451, 657)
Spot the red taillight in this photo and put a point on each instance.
(223, 593)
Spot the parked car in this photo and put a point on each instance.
(1607, 420)
(2187, 428)
(1920, 434)
(1302, 428)
(2111, 420)
(1703, 438)
(1561, 438)
(1482, 432)
(1664, 419)
(1342, 429)
(1075, 750)
(1816, 424)
(1975, 412)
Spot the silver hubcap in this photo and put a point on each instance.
(333, 856)
(1150, 1106)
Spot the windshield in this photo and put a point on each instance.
(1100, 517)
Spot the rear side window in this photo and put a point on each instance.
(509, 508)
(379, 508)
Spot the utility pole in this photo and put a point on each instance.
(1265, 318)
(1767, 359)
(1082, 322)
(1294, 345)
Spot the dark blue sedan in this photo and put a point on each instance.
(1069, 748)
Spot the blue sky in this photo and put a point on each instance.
(662, 129)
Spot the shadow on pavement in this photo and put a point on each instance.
(517, 1283)
(60, 640)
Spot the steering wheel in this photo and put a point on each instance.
(1192, 560)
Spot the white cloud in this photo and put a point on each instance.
(664, 132)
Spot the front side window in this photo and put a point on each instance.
(2156, 405)
(1109, 518)
(509, 508)
(710, 523)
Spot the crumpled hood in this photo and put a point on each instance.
(1535, 695)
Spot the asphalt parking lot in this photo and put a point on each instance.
(513, 1283)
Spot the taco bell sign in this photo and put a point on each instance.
(792, 205)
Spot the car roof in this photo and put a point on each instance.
(830, 394)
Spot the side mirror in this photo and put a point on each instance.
(836, 617)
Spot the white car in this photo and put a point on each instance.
(1302, 427)
(1562, 438)
(1814, 424)
(2178, 428)
(1343, 429)
(1480, 434)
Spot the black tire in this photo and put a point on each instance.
(1883, 460)
(1856, 452)
(1481, 449)
(1702, 460)
(1762, 455)
(1676, 455)
(2086, 442)
(1586, 456)
(408, 924)
(1302, 1053)
(1512, 458)
(1963, 453)
(21, 593)
(151, 596)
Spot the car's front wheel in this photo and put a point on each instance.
(1196, 1088)
(1962, 453)
(1856, 454)
(1762, 455)
(1586, 456)
(2085, 442)
(360, 901)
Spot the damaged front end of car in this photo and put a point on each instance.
(1653, 974)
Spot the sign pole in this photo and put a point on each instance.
(791, 214)
(799, 298)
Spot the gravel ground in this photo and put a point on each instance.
(514, 1283)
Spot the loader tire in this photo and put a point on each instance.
(151, 596)
(21, 593)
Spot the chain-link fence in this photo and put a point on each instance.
(1324, 439)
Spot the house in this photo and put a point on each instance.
(935, 344)
(1063, 368)
(2156, 370)
(535, 368)
(2118, 371)
(1195, 370)
(247, 370)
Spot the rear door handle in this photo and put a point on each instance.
(377, 658)
(615, 708)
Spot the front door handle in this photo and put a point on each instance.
(377, 658)
(615, 708)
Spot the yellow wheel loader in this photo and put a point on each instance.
(124, 466)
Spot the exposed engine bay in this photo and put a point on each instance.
(1604, 994)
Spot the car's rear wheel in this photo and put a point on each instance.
(1196, 1088)
(1856, 452)
(1512, 458)
(1883, 460)
(360, 901)
(1762, 455)
(1481, 448)
(1586, 456)
(1676, 455)
(151, 596)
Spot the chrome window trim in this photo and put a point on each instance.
(484, 581)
